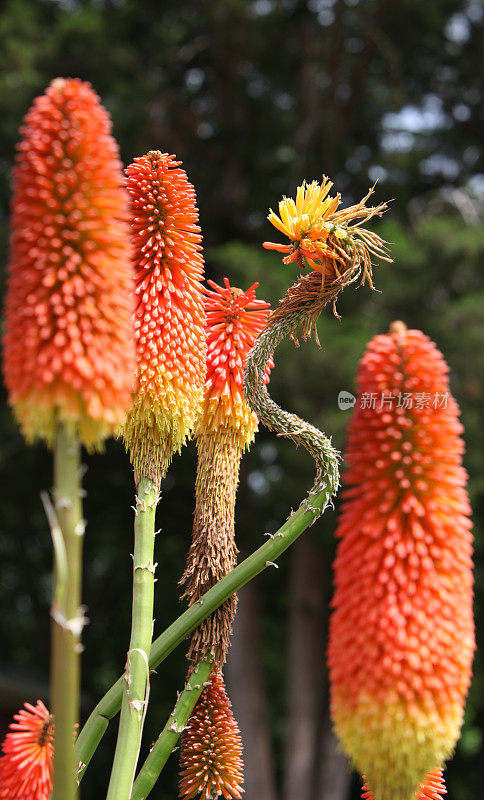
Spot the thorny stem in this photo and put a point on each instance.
(67, 612)
(136, 677)
(178, 719)
(265, 556)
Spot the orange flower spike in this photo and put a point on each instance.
(170, 318)
(234, 320)
(68, 343)
(211, 748)
(433, 788)
(401, 638)
(27, 761)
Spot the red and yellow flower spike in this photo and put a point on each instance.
(322, 237)
(226, 428)
(401, 637)
(169, 319)
(211, 748)
(432, 788)
(234, 320)
(27, 761)
(68, 342)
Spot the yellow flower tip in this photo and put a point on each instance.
(318, 231)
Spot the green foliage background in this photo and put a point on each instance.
(254, 96)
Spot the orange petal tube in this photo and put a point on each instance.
(68, 343)
(170, 317)
(27, 761)
(211, 748)
(401, 638)
(432, 788)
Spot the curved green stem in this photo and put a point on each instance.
(187, 700)
(67, 527)
(275, 417)
(309, 510)
(137, 672)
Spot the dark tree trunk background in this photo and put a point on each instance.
(305, 669)
(247, 693)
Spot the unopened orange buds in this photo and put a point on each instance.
(211, 752)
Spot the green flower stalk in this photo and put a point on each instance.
(68, 344)
(263, 558)
(170, 344)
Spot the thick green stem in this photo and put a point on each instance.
(67, 612)
(137, 672)
(309, 510)
(187, 700)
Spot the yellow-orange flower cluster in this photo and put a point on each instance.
(170, 318)
(234, 320)
(27, 762)
(433, 788)
(323, 238)
(211, 750)
(68, 344)
(401, 634)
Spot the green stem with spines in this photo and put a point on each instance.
(163, 747)
(136, 677)
(67, 612)
(264, 557)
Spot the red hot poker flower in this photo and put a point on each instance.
(211, 749)
(433, 788)
(401, 636)
(68, 344)
(27, 761)
(226, 428)
(170, 318)
(234, 320)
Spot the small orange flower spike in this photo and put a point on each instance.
(68, 343)
(401, 638)
(211, 748)
(433, 788)
(170, 318)
(234, 320)
(225, 429)
(27, 761)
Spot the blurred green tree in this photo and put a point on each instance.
(254, 96)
